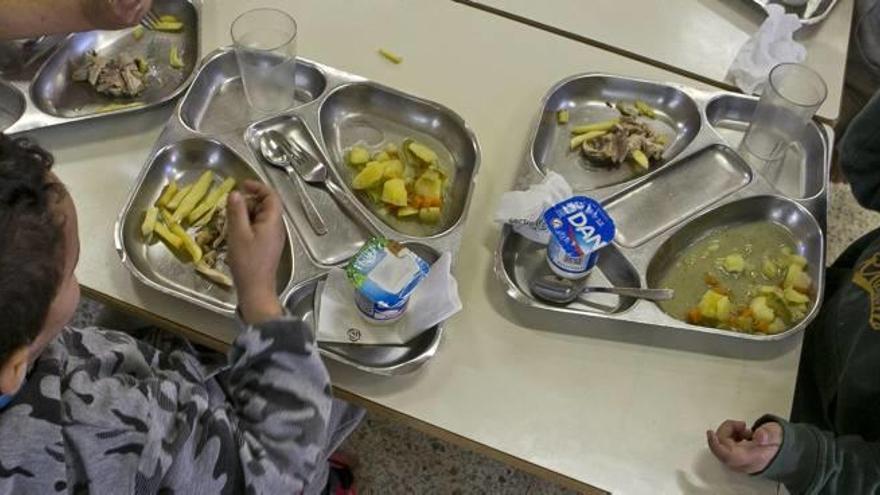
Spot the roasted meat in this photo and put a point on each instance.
(619, 144)
(114, 76)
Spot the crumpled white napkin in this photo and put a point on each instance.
(524, 210)
(772, 45)
(434, 300)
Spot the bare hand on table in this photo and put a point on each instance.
(256, 240)
(115, 14)
(743, 450)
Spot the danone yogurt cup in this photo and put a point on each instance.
(385, 274)
(579, 228)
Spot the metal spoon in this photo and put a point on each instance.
(272, 146)
(556, 290)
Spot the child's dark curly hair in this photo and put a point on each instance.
(31, 241)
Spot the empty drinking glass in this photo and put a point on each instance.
(791, 97)
(265, 46)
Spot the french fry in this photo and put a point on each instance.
(645, 109)
(391, 57)
(198, 191)
(201, 222)
(583, 138)
(211, 199)
(168, 26)
(149, 222)
(172, 240)
(174, 59)
(167, 194)
(189, 244)
(641, 159)
(562, 117)
(221, 203)
(114, 107)
(178, 197)
(599, 126)
(167, 217)
(213, 275)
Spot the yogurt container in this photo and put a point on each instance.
(579, 228)
(385, 274)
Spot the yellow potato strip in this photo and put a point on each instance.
(198, 191)
(211, 199)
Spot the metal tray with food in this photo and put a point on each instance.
(809, 11)
(338, 118)
(98, 73)
(694, 217)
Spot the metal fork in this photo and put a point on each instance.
(150, 19)
(314, 171)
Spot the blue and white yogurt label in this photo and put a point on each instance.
(579, 228)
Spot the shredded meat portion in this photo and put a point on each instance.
(627, 136)
(114, 76)
(212, 237)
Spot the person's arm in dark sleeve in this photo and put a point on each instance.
(813, 461)
(860, 155)
(281, 394)
(32, 18)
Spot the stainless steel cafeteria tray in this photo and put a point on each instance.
(43, 94)
(813, 11)
(334, 110)
(701, 184)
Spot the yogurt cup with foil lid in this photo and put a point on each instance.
(384, 274)
(579, 228)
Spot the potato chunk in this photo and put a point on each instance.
(369, 177)
(358, 156)
(394, 192)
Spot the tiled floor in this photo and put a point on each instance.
(394, 459)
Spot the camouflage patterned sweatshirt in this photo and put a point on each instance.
(102, 412)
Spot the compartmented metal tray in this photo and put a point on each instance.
(43, 94)
(701, 184)
(334, 110)
(813, 12)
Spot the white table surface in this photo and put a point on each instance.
(621, 410)
(699, 38)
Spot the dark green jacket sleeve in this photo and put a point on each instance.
(860, 155)
(812, 461)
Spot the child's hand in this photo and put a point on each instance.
(115, 14)
(742, 450)
(256, 240)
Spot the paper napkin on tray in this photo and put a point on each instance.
(433, 301)
(524, 210)
(772, 45)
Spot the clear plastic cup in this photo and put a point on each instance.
(265, 47)
(791, 97)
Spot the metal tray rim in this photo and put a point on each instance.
(666, 321)
(224, 50)
(821, 129)
(119, 244)
(702, 98)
